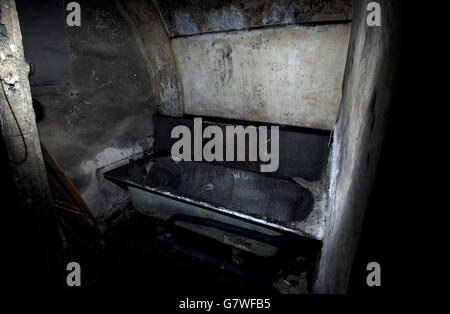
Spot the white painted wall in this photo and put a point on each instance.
(291, 75)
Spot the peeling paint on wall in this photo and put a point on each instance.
(289, 75)
(183, 23)
(192, 17)
(280, 13)
(228, 18)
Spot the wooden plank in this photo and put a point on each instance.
(66, 183)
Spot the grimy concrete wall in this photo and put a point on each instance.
(358, 133)
(101, 83)
(95, 89)
(290, 75)
(250, 60)
(191, 17)
(149, 29)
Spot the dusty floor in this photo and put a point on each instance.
(139, 262)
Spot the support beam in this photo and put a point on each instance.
(37, 223)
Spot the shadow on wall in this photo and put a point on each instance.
(94, 98)
(358, 134)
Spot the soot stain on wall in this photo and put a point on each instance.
(189, 17)
(104, 113)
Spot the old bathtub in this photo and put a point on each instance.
(231, 203)
(238, 200)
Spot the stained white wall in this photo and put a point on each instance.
(370, 83)
(291, 75)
